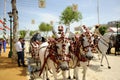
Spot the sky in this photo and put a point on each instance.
(28, 10)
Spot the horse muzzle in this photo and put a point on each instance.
(64, 66)
(89, 56)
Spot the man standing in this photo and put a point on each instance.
(20, 53)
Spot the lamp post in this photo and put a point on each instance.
(10, 16)
(117, 27)
(98, 12)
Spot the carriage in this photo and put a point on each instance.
(116, 39)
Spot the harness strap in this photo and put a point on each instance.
(46, 58)
(104, 43)
(103, 39)
(41, 70)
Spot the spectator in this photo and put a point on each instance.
(4, 45)
(0, 46)
(23, 46)
(20, 53)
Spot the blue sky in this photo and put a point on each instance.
(109, 10)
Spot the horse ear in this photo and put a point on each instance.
(97, 26)
(67, 32)
(54, 32)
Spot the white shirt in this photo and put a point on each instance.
(18, 46)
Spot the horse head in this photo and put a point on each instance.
(88, 45)
(63, 44)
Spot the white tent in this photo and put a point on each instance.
(113, 29)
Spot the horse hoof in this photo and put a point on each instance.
(101, 65)
(48, 79)
(109, 67)
(69, 77)
(74, 77)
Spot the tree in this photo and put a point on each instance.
(45, 27)
(15, 27)
(22, 33)
(118, 24)
(103, 29)
(32, 32)
(69, 16)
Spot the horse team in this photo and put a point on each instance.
(62, 53)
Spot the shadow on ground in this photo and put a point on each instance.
(11, 69)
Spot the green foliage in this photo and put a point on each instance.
(118, 24)
(103, 29)
(45, 27)
(69, 16)
(22, 33)
(32, 32)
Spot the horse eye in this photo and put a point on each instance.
(57, 47)
(63, 45)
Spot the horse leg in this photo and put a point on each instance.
(47, 78)
(76, 76)
(74, 73)
(64, 75)
(88, 62)
(102, 59)
(84, 72)
(107, 62)
(51, 65)
(54, 74)
(99, 55)
(69, 77)
(44, 75)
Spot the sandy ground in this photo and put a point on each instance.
(10, 70)
(97, 72)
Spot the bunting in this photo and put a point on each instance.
(1, 22)
(1, 28)
(75, 7)
(33, 21)
(4, 26)
(42, 3)
(7, 27)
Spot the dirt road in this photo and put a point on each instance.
(97, 72)
(10, 70)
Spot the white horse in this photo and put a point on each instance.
(103, 43)
(82, 54)
(54, 55)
